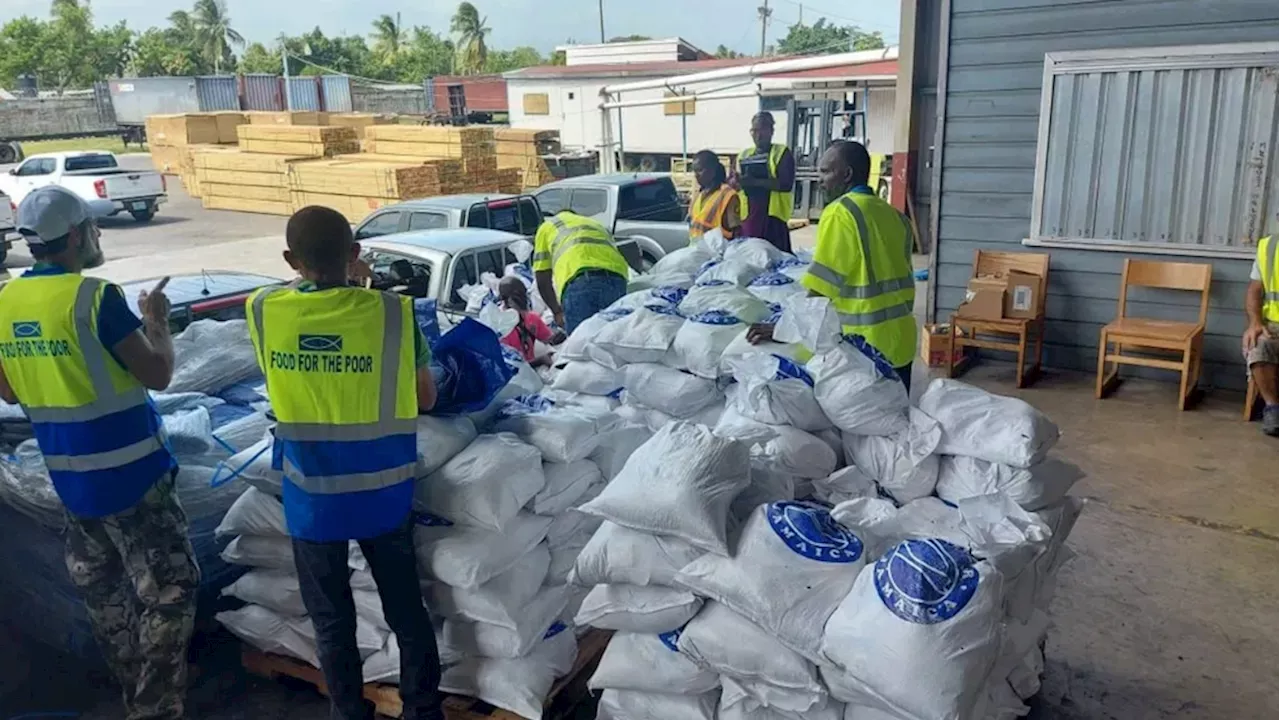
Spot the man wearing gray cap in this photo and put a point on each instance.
(80, 363)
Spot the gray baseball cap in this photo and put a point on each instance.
(49, 213)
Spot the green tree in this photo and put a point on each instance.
(156, 52)
(500, 61)
(388, 36)
(71, 52)
(214, 34)
(112, 50)
(629, 38)
(426, 55)
(724, 52)
(258, 59)
(821, 37)
(471, 30)
(23, 50)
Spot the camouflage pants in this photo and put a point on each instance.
(138, 577)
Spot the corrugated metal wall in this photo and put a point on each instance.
(484, 93)
(305, 93)
(337, 92)
(991, 118)
(218, 92)
(262, 92)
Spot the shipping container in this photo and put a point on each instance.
(304, 93)
(337, 92)
(218, 92)
(136, 98)
(485, 94)
(262, 92)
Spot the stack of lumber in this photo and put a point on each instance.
(515, 147)
(354, 187)
(298, 117)
(443, 143)
(510, 180)
(298, 140)
(168, 136)
(359, 121)
(187, 168)
(228, 121)
(245, 181)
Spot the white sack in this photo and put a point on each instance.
(500, 601)
(564, 556)
(793, 565)
(619, 555)
(937, 611)
(740, 346)
(731, 645)
(844, 484)
(633, 411)
(468, 556)
(646, 662)
(440, 439)
(570, 524)
(684, 260)
(384, 665)
(627, 705)
(773, 389)
(1039, 486)
(526, 378)
(749, 709)
(1033, 587)
(519, 685)
(679, 483)
(727, 297)
(276, 590)
(209, 355)
(269, 632)
(562, 433)
(986, 426)
(363, 580)
(644, 336)
(585, 376)
(566, 482)
(767, 486)
(616, 447)
(779, 448)
(253, 513)
(858, 389)
(637, 608)
(593, 405)
(701, 341)
(578, 345)
(739, 699)
(272, 553)
(485, 485)
(756, 252)
(775, 288)
(369, 639)
(369, 606)
(903, 463)
(731, 271)
(496, 641)
(254, 466)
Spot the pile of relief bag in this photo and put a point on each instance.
(799, 538)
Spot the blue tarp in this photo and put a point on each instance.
(469, 369)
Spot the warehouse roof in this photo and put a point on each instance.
(675, 67)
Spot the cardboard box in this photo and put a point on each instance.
(983, 299)
(935, 345)
(1022, 295)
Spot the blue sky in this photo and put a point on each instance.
(540, 23)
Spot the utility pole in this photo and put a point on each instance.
(765, 12)
(801, 21)
(601, 6)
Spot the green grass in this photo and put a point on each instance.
(110, 144)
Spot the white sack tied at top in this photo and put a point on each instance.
(990, 427)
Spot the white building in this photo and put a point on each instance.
(567, 98)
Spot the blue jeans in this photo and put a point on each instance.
(589, 292)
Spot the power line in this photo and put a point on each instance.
(822, 12)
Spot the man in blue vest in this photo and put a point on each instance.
(80, 363)
(347, 373)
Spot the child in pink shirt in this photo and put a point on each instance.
(514, 296)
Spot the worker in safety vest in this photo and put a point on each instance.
(1262, 305)
(346, 371)
(578, 269)
(80, 362)
(716, 204)
(766, 175)
(862, 260)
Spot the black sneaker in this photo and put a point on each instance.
(1271, 420)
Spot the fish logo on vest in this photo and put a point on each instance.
(320, 343)
(810, 531)
(926, 581)
(26, 329)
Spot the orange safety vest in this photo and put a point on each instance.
(708, 210)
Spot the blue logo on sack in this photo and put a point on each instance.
(775, 314)
(522, 405)
(555, 629)
(671, 639)
(874, 355)
(511, 355)
(27, 329)
(715, 317)
(713, 283)
(707, 266)
(320, 343)
(669, 293)
(810, 531)
(771, 279)
(926, 581)
(614, 314)
(663, 309)
(789, 370)
(786, 263)
(429, 520)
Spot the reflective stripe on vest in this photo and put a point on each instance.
(1267, 265)
(568, 237)
(386, 425)
(781, 202)
(873, 288)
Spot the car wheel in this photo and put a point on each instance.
(143, 216)
(9, 153)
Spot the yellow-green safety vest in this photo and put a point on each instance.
(568, 243)
(339, 365)
(862, 262)
(1267, 265)
(780, 203)
(102, 441)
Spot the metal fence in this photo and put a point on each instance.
(218, 92)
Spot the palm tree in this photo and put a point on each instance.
(388, 35)
(471, 30)
(214, 34)
(183, 26)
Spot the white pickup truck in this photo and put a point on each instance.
(96, 177)
(8, 228)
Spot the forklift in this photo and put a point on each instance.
(811, 126)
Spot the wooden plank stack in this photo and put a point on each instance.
(228, 121)
(168, 136)
(187, 169)
(297, 117)
(298, 140)
(444, 143)
(245, 181)
(359, 121)
(354, 187)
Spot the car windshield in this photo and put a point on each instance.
(90, 162)
(650, 199)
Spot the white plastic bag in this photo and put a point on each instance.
(793, 565)
(740, 346)
(774, 390)
(637, 608)
(497, 641)
(579, 344)
(499, 601)
(757, 252)
(779, 448)
(520, 685)
(671, 391)
(619, 555)
(679, 483)
(684, 260)
(1039, 486)
(269, 632)
(253, 513)
(566, 482)
(369, 639)
(440, 439)
(733, 271)
(844, 484)
(644, 336)
(384, 665)
(563, 433)
(254, 466)
(276, 590)
(628, 705)
(731, 645)
(903, 463)
(272, 553)
(986, 426)
(571, 524)
(616, 447)
(486, 484)
(701, 341)
(727, 297)
(775, 287)
(858, 389)
(646, 662)
(369, 607)
(584, 376)
(465, 556)
(210, 355)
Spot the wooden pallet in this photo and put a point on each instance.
(565, 694)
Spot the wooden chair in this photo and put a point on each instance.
(1252, 400)
(1016, 332)
(1186, 339)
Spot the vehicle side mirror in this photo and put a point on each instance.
(13, 171)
